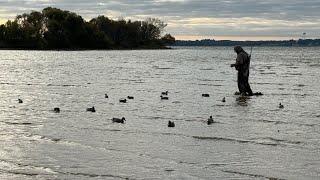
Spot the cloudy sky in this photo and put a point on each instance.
(197, 19)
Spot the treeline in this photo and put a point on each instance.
(53, 28)
(209, 42)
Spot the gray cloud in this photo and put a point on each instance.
(195, 17)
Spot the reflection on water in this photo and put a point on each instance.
(252, 139)
(242, 100)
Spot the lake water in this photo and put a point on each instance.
(252, 139)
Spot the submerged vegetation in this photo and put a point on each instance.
(58, 29)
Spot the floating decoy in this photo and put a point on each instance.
(171, 124)
(281, 106)
(165, 93)
(106, 96)
(205, 95)
(164, 97)
(91, 109)
(118, 120)
(56, 110)
(224, 99)
(130, 97)
(123, 100)
(258, 94)
(20, 101)
(210, 121)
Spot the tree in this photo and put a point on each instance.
(168, 39)
(54, 28)
(2, 31)
(160, 25)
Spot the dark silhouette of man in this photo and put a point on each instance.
(242, 65)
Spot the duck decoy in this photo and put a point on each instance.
(164, 97)
(224, 99)
(281, 106)
(210, 120)
(118, 120)
(171, 124)
(56, 110)
(205, 95)
(258, 94)
(91, 109)
(237, 93)
(130, 97)
(20, 101)
(165, 93)
(106, 96)
(123, 100)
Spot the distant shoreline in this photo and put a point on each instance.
(273, 43)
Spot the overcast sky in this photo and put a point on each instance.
(189, 19)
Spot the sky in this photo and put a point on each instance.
(197, 19)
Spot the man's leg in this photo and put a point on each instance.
(241, 84)
(247, 86)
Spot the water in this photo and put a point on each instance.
(252, 139)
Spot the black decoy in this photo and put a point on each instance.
(56, 110)
(164, 97)
(258, 94)
(165, 93)
(123, 100)
(171, 124)
(224, 99)
(130, 97)
(281, 106)
(91, 109)
(210, 121)
(20, 101)
(118, 120)
(205, 95)
(106, 96)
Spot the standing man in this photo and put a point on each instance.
(242, 65)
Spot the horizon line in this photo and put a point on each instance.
(243, 37)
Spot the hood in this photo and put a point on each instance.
(238, 49)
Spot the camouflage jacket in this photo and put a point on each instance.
(243, 63)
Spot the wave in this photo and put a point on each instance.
(215, 85)
(221, 139)
(267, 73)
(64, 85)
(15, 172)
(176, 102)
(19, 123)
(283, 122)
(162, 68)
(294, 74)
(251, 175)
(293, 67)
(207, 69)
(26, 172)
(25, 169)
(274, 142)
(91, 175)
(300, 85)
(211, 80)
(279, 141)
(26, 84)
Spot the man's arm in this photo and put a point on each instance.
(239, 61)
